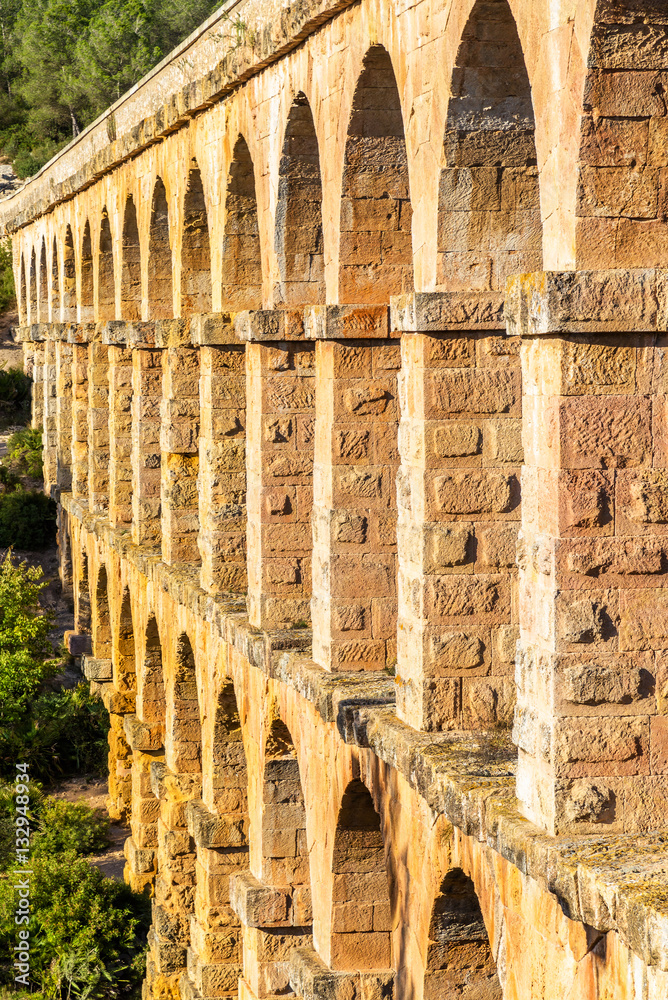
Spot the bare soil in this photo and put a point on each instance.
(93, 791)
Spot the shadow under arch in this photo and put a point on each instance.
(298, 238)
(285, 859)
(55, 282)
(229, 768)
(459, 957)
(183, 727)
(195, 248)
(361, 909)
(86, 298)
(125, 674)
(375, 250)
(151, 703)
(489, 221)
(131, 264)
(82, 611)
(242, 261)
(69, 291)
(101, 618)
(23, 301)
(160, 288)
(106, 300)
(33, 316)
(43, 286)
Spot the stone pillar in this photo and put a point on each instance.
(591, 723)
(179, 444)
(120, 435)
(459, 507)
(50, 431)
(64, 414)
(145, 741)
(98, 427)
(280, 391)
(353, 607)
(37, 401)
(146, 399)
(80, 428)
(222, 455)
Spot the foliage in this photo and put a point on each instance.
(14, 388)
(24, 625)
(69, 826)
(7, 290)
(88, 932)
(62, 62)
(24, 452)
(62, 733)
(27, 520)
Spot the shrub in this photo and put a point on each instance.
(14, 388)
(88, 932)
(62, 733)
(7, 290)
(24, 452)
(70, 826)
(27, 520)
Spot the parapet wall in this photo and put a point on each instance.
(348, 350)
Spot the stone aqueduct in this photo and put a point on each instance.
(308, 313)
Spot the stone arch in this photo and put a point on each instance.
(151, 703)
(489, 221)
(242, 261)
(82, 616)
(298, 239)
(33, 317)
(131, 264)
(43, 286)
(229, 771)
(375, 250)
(459, 959)
(55, 282)
(160, 291)
(23, 299)
(361, 911)
(125, 674)
(69, 293)
(183, 738)
(86, 305)
(285, 859)
(195, 248)
(621, 207)
(106, 306)
(101, 618)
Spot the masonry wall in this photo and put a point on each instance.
(345, 494)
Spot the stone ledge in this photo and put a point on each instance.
(346, 322)
(614, 301)
(446, 312)
(141, 736)
(95, 669)
(211, 831)
(261, 325)
(615, 882)
(311, 979)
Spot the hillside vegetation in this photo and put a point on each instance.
(62, 62)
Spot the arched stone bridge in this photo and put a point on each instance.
(348, 330)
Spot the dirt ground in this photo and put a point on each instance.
(93, 792)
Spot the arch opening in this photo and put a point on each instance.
(23, 301)
(151, 703)
(229, 771)
(106, 306)
(69, 292)
(55, 282)
(299, 233)
(125, 675)
(285, 860)
(489, 223)
(43, 286)
(160, 292)
(242, 263)
(131, 264)
(195, 248)
(87, 315)
(183, 724)
(459, 957)
(83, 621)
(33, 315)
(361, 910)
(375, 251)
(102, 619)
